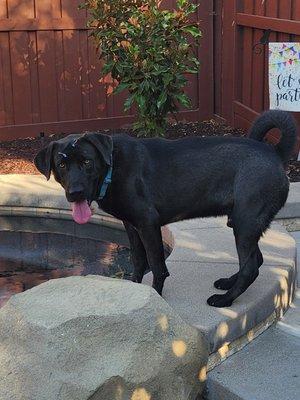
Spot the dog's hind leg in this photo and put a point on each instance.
(255, 206)
(138, 253)
(249, 222)
(248, 258)
(227, 283)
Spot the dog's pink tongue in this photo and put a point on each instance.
(81, 212)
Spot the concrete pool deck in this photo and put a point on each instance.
(203, 251)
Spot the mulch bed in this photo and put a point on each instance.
(16, 156)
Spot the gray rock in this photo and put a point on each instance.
(97, 338)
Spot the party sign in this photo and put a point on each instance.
(284, 76)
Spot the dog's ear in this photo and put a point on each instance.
(43, 160)
(103, 144)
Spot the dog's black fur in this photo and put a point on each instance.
(158, 181)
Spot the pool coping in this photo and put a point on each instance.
(58, 208)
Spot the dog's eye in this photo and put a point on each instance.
(87, 162)
(62, 165)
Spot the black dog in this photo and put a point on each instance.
(148, 183)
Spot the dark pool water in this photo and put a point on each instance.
(33, 250)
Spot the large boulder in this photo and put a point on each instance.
(97, 338)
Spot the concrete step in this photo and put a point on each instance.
(266, 369)
(292, 205)
(290, 323)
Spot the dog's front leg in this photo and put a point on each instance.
(138, 253)
(152, 241)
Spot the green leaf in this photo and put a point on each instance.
(195, 61)
(81, 6)
(181, 3)
(122, 86)
(128, 102)
(108, 67)
(140, 99)
(183, 99)
(191, 8)
(161, 100)
(193, 30)
(192, 70)
(167, 78)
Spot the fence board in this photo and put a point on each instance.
(276, 24)
(72, 95)
(20, 77)
(3, 9)
(59, 70)
(218, 48)
(70, 8)
(43, 9)
(2, 94)
(34, 77)
(83, 69)
(246, 50)
(204, 87)
(56, 9)
(46, 75)
(285, 12)
(7, 96)
(21, 9)
(257, 81)
(229, 59)
(296, 17)
(271, 11)
(39, 24)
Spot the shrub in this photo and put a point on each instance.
(148, 51)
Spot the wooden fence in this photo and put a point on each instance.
(241, 72)
(49, 71)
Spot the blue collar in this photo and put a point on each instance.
(107, 181)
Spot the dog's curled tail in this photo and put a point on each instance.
(285, 123)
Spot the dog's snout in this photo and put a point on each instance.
(76, 193)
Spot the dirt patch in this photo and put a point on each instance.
(16, 156)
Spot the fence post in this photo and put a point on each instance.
(228, 59)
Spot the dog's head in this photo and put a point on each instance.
(79, 163)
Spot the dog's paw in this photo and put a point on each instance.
(219, 300)
(223, 284)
